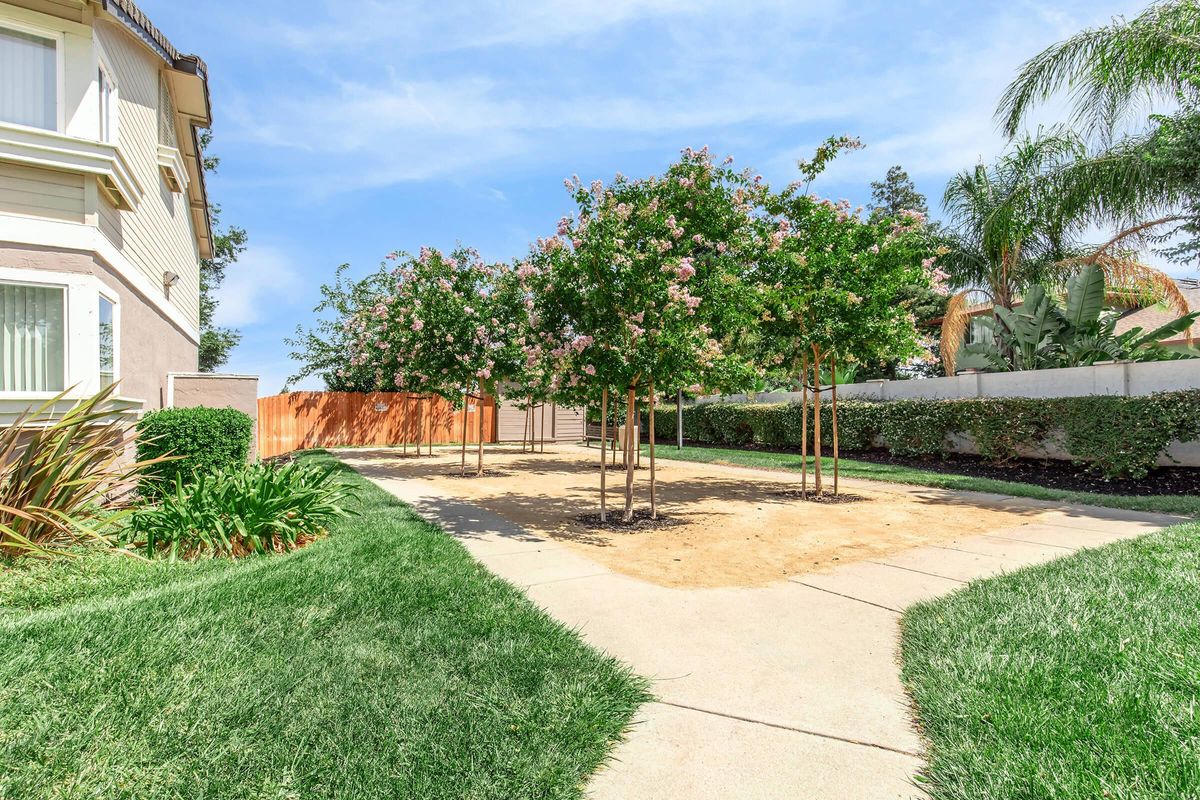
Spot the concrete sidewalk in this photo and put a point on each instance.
(788, 691)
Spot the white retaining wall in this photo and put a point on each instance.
(1122, 379)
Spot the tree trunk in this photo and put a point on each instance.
(653, 499)
(479, 427)
(817, 487)
(407, 423)
(630, 406)
(603, 448)
(833, 399)
(420, 427)
(679, 419)
(803, 427)
(542, 432)
(466, 402)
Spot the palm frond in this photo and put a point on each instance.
(954, 327)
(1110, 71)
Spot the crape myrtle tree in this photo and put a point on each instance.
(826, 290)
(322, 349)
(447, 326)
(644, 287)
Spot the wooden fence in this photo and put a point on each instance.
(301, 420)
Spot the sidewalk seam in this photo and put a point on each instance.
(793, 729)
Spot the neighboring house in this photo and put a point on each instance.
(1150, 318)
(103, 214)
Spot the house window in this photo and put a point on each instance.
(28, 79)
(107, 343)
(32, 338)
(108, 107)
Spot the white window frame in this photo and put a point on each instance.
(103, 65)
(107, 294)
(60, 68)
(81, 342)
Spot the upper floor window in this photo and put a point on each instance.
(108, 106)
(28, 79)
(33, 328)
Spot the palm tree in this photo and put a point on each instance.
(1137, 182)
(1006, 233)
(1017, 225)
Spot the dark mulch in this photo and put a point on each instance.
(619, 467)
(487, 473)
(1062, 475)
(826, 498)
(641, 521)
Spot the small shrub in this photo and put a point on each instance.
(199, 440)
(235, 511)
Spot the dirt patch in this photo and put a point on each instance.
(736, 527)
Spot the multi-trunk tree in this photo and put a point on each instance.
(644, 287)
(826, 290)
(447, 325)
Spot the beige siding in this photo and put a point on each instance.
(157, 237)
(41, 193)
(556, 424)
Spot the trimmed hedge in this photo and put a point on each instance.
(207, 439)
(1114, 436)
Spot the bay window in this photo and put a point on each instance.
(32, 338)
(108, 107)
(28, 79)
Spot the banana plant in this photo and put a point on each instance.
(1041, 334)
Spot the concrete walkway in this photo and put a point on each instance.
(788, 691)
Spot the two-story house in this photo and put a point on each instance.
(103, 214)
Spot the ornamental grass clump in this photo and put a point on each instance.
(61, 473)
(245, 510)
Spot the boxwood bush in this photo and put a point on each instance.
(1114, 436)
(204, 439)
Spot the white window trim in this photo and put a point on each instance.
(81, 341)
(60, 68)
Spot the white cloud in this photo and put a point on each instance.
(262, 282)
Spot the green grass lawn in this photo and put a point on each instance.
(382, 662)
(1076, 679)
(790, 462)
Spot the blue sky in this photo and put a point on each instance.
(351, 128)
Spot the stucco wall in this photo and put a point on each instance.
(214, 390)
(149, 344)
(1123, 379)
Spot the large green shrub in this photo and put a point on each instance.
(1114, 436)
(200, 440)
(240, 510)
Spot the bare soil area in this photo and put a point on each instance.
(733, 526)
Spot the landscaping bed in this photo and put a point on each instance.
(881, 466)
(1048, 473)
(379, 661)
(1071, 680)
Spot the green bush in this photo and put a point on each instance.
(201, 440)
(240, 510)
(1113, 436)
